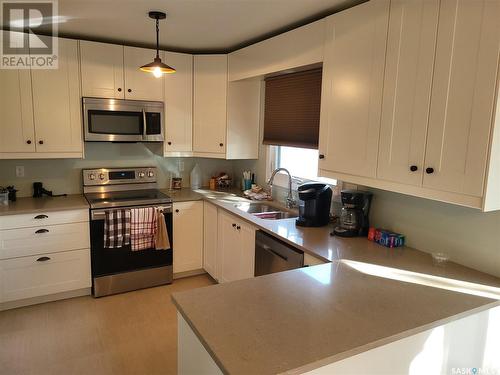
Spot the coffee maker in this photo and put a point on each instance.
(354, 215)
(314, 206)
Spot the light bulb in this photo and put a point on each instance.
(157, 72)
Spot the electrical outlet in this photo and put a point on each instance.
(181, 166)
(19, 171)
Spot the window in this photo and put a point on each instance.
(301, 162)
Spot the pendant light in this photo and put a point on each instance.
(157, 67)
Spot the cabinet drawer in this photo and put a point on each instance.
(33, 276)
(43, 218)
(43, 239)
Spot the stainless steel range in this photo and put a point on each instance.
(117, 270)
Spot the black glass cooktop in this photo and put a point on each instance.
(126, 198)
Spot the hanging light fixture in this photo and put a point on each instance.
(157, 67)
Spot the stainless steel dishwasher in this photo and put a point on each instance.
(273, 255)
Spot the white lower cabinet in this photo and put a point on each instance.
(40, 275)
(42, 254)
(188, 236)
(236, 248)
(210, 243)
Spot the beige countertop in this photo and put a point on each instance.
(368, 296)
(25, 205)
(318, 242)
(304, 319)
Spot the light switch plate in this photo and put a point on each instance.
(19, 171)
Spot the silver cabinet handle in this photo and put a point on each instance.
(38, 217)
(43, 259)
(42, 231)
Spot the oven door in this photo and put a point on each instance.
(107, 262)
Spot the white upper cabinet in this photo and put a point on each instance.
(353, 74)
(140, 85)
(209, 104)
(243, 119)
(439, 125)
(112, 71)
(299, 47)
(17, 132)
(56, 103)
(179, 104)
(102, 70)
(463, 96)
(411, 44)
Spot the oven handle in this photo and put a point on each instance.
(101, 214)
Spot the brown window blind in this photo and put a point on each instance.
(292, 107)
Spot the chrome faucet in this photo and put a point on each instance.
(290, 202)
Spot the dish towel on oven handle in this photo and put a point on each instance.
(143, 227)
(116, 228)
(162, 241)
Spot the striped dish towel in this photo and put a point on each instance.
(143, 227)
(116, 229)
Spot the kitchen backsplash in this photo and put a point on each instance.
(469, 236)
(64, 175)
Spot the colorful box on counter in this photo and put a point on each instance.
(386, 238)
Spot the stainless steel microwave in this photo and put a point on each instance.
(118, 120)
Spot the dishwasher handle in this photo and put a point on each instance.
(268, 248)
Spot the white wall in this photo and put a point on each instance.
(64, 175)
(469, 236)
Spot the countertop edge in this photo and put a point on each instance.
(384, 341)
(349, 353)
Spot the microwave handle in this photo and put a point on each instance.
(144, 126)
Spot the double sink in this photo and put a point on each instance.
(266, 211)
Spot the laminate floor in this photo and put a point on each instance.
(130, 333)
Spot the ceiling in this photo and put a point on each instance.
(191, 25)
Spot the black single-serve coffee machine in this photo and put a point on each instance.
(353, 220)
(314, 206)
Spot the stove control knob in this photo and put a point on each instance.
(101, 176)
(141, 174)
(151, 174)
(91, 176)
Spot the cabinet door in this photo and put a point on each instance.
(247, 245)
(209, 105)
(17, 133)
(16, 110)
(353, 74)
(56, 103)
(188, 236)
(40, 275)
(179, 103)
(140, 85)
(463, 96)
(229, 248)
(407, 90)
(102, 70)
(243, 118)
(210, 243)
